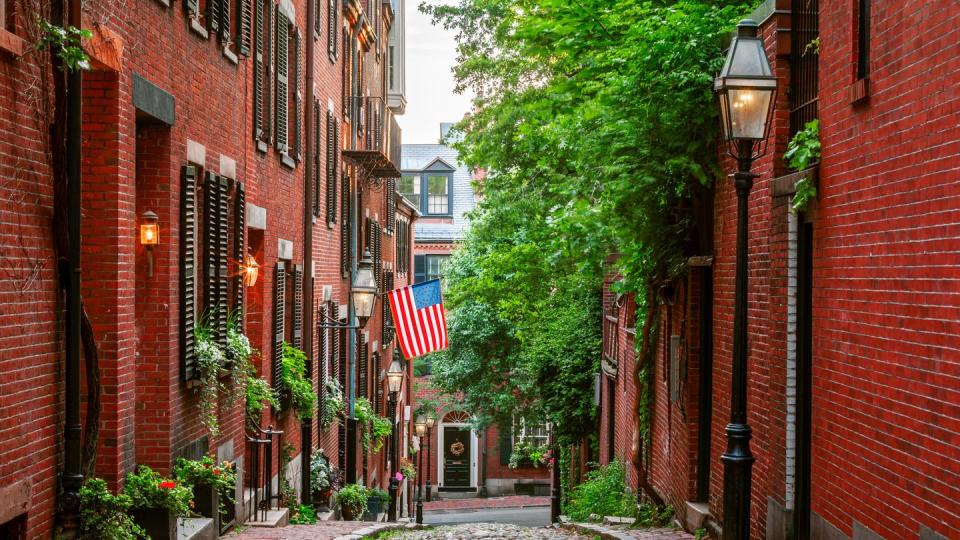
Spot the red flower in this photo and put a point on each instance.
(168, 484)
(216, 472)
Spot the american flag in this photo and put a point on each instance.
(419, 318)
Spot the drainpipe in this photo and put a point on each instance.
(306, 426)
(72, 478)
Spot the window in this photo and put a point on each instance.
(429, 192)
(390, 69)
(863, 39)
(438, 194)
(436, 264)
(410, 189)
(534, 433)
(427, 267)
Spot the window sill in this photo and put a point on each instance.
(230, 55)
(198, 28)
(262, 147)
(860, 91)
(787, 184)
(288, 161)
(12, 43)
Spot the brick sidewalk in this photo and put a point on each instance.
(622, 532)
(512, 501)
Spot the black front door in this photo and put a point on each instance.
(456, 457)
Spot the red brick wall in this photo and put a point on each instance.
(885, 369)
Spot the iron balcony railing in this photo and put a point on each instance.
(376, 133)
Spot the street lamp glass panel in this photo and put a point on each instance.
(430, 421)
(364, 289)
(420, 425)
(394, 376)
(746, 87)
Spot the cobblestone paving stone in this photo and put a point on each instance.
(490, 531)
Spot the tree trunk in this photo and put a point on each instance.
(645, 358)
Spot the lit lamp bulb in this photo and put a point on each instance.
(251, 271)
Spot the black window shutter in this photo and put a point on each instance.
(213, 15)
(225, 10)
(282, 82)
(419, 268)
(335, 339)
(391, 205)
(297, 68)
(332, 29)
(378, 394)
(268, 46)
(244, 24)
(317, 145)
(340, 339)
(258, 97)
(192, 7)
(188, 256)
(322, 344)
(239, 250)
(223, 250)
(332, 144)
(362, 381)
(317, 18)
(505, 440)
(385, 305)
(345, 226)
(298, 306)
(378, 254)
(279, 313)
(211, 203)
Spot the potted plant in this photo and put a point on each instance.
(352, 500)
(374, 428)
(103, 515)
(156, 502)
(323, 480)
(525, 454)
(212, 484)
(375, 502)
(407, 469)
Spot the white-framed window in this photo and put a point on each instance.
(536, 434)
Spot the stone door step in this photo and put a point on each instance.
(196, 529)
(697, 513)
(275, 518)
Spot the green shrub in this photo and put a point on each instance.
(379, 493)
(303, 515)
(604, 493)
(147, 489)
(103, 515)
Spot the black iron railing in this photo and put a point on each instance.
(804, 55)
(262, 446)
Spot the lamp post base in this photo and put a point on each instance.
(737, 479)
(392, 510)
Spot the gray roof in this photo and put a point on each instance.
(415, 158)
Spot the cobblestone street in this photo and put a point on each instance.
(490, 531)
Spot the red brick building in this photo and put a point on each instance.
(234, 123)
(852, 323)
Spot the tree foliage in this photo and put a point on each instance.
(596, 121)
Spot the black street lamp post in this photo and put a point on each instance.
(430, 422)
(554, 478)
(420, 427)
(394, 382)
(746, 88)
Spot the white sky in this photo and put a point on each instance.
(431, 53)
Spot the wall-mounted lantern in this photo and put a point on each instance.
(149, 236)
(250, 269)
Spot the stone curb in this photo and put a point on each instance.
(596, 530)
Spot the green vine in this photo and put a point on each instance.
(293, 373)
(333, 404)
(374, 428)
(802, 152)
(65, 43)
(210, 358)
